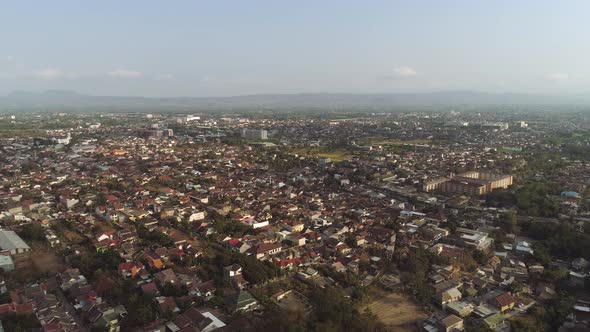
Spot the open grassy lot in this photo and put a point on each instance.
(14, 133)
(397, 311)
(392, 142)
(295, 302)
(46, 261)
(72, 236)
(334, 155)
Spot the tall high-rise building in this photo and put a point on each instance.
(255, 133)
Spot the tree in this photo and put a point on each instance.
(33, 232)
(527, 325)
(508, 222)
(541, 253)
(90, 263)
(414, 269)
(561, 239)
(557, 309)
(500, 198)
(533, 199)
(516, 288)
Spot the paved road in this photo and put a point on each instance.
(537, 219)
(518, 311)
(70, 310)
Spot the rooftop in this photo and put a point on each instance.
(9, 240)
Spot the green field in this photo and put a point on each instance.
(334, 155)
(392, 142)
(13, 133)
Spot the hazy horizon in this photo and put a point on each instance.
(235, 48)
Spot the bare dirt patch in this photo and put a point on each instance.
(47, 262)
(397, 311)
(296, 302)
(72, 237)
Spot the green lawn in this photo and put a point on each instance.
(334, 155)
(392, 142)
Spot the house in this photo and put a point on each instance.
(448, 296)
(279, 295)
(166, 276)
(238, 282)
(524, 247)
(196, 216)
(266, 249)
(338, 267)
(474, 239)
(150, 288)
(296, 239)
(71, 277)
(232, 270)
(193, 320)
(293, 226)
(101, 236)
(16, 308)
(203, 322)
(451, 323)
(205, 289)
(233, 273)
(108, 321)
(154, 261)
(166, 305)
(503, 302)
(130, 269)
(459, 308)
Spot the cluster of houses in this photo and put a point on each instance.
(161, 205)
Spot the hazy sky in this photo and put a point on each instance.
(220, 48)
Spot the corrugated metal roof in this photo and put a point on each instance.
(9, 240)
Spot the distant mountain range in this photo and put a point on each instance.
(461, 100)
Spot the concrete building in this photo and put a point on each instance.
(62, 139)
(150, 133)
(475, 239)
(434, 185)
(493, 180)
(472, 183)
(495, 125)
(452, 323)
(255, 133)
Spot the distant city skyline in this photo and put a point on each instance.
(228, 48)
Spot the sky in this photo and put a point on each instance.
(225, 48)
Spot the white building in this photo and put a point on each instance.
(255, 133)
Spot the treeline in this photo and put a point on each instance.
(548, 317)
(561, 240)
(333, 311)
(93, 264)
(577, 150)
(414, 274)
(533, 199)
(255, 271)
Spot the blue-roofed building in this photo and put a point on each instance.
(572, 194)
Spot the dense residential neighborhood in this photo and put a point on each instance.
(450, 221)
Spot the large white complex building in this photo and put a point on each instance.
(255, 133)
